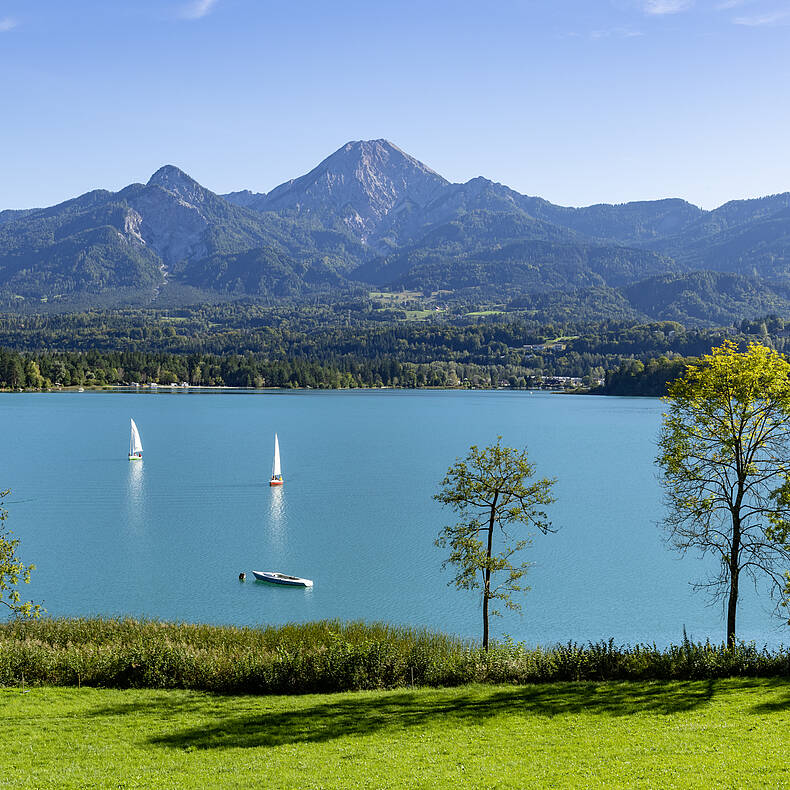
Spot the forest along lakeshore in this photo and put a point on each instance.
(361, 342)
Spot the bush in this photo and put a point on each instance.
(332, 656)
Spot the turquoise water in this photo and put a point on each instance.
(168, 537)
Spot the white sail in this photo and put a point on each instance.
(135, 445)
(276, 471)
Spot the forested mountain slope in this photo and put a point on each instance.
(372, 216)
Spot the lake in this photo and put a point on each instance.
(167, 537)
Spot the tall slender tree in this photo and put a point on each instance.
(724, 452)
(494, 495)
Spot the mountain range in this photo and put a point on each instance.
(372, 217)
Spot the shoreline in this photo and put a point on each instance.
(205, 388)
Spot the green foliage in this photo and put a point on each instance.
(634, 378)
(330, 656)
(12, 570)
(262, 272)
(490, 492)
(724, 452)
(78, 246)
(298, 658)
(706, 298)
(533, 267)
(357, 343)
(745, 236)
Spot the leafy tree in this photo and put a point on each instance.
(33, 376)
(490, 489)
(12, 570)
(725, 458)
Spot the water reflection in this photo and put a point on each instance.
(277, 516)
(135, 480)
(135, 496)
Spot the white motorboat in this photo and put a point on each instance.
(282, 578)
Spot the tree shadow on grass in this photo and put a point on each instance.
(778, 704)
(400, 711)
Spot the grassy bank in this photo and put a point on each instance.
(332, 657)
(722, 733)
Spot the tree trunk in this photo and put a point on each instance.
(732, 603)
(487, 585)
(485, 620)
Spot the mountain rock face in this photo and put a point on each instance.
(171, 226)
(371, 215)
(357, 186)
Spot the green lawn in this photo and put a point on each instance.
(727, 733)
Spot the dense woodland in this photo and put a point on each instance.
(351, 345)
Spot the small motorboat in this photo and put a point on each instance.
(282, 578)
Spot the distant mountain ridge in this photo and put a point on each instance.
(372, 215)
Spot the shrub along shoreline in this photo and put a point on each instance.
(330, 656)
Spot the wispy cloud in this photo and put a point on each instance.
(764, 20)
(661, 7)
(7, 24)
(615, 32)
(612, 32)
(726, 5)
(197, 9)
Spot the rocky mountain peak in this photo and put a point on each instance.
(362, 181)
(379, 155)
(177, 182)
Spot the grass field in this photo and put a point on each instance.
(395, 297)
(723, 733)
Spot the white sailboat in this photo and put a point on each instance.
(135, 445)
(277, 474)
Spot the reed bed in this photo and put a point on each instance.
(332, 656)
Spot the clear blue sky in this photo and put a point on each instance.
(579, 101)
